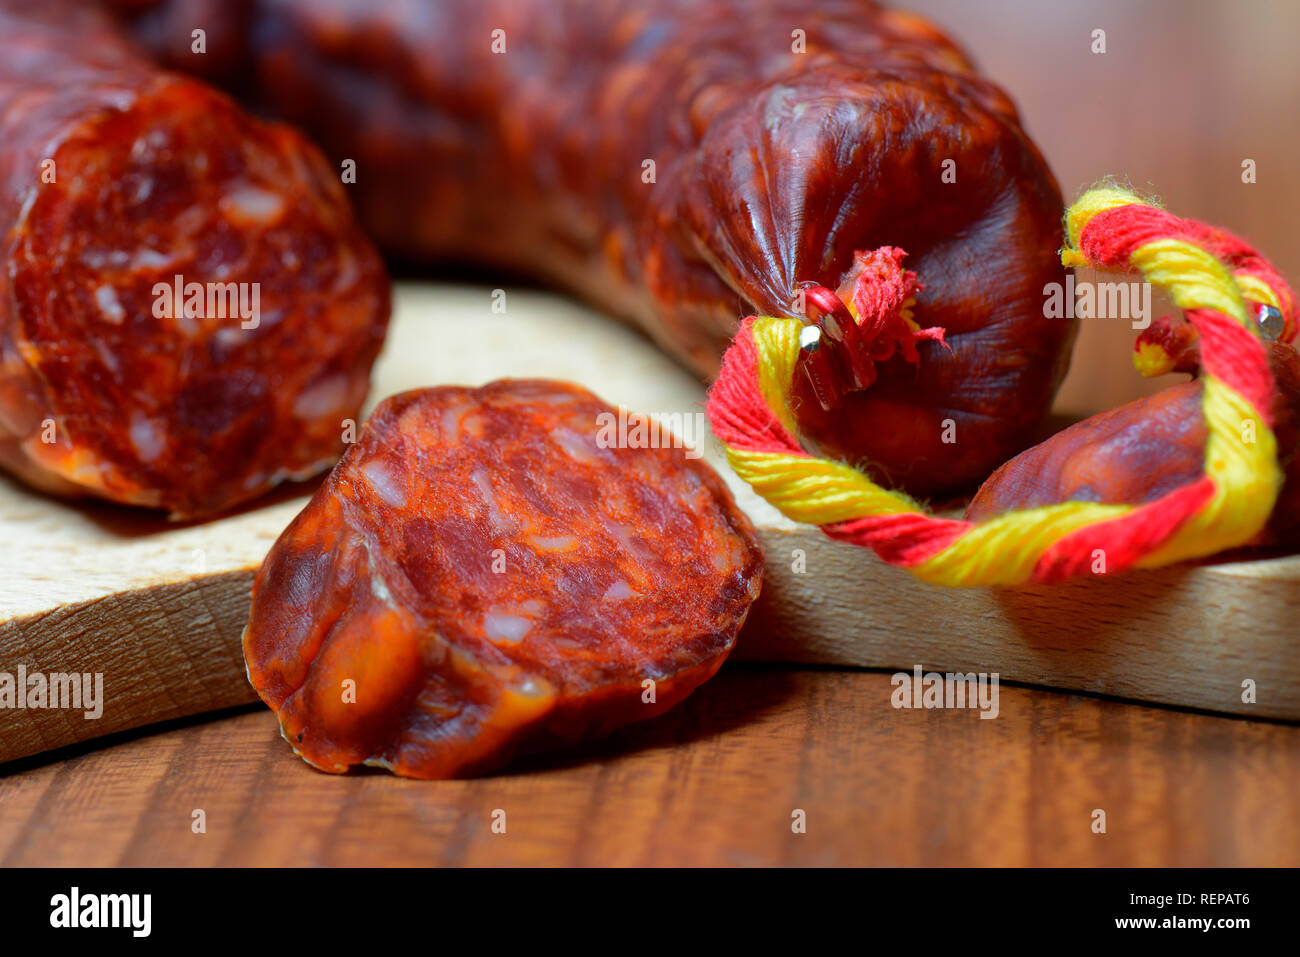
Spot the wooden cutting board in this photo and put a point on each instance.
(158, 609)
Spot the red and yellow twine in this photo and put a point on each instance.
(1211, 275)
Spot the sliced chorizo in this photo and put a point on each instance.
(484, 573)
(682, 163)
(188, 309)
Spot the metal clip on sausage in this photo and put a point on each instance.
(831, 347)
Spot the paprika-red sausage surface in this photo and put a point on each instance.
(1141, 451)
(683, 163)
(121, 184)
(488, 571)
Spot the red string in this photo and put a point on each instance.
(1229, 353)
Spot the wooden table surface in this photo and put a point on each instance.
(714, 782)
(1185, 92)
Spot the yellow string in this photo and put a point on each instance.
(1080, 214)
(1256, 290)
(1241, 451)
(776, 365)
(815, 491)
(1193, 278)
(1241, 457)
(1005, 549)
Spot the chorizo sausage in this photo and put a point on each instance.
(1143, 450)
(485, 572)
(188, 309)
(680, 163)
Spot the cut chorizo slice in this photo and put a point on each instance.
(483, 574)
(119, 184)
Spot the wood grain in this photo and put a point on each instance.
(1184, 636)
(60, 567)
(167, 651)
(158, 609)
(713, 782)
